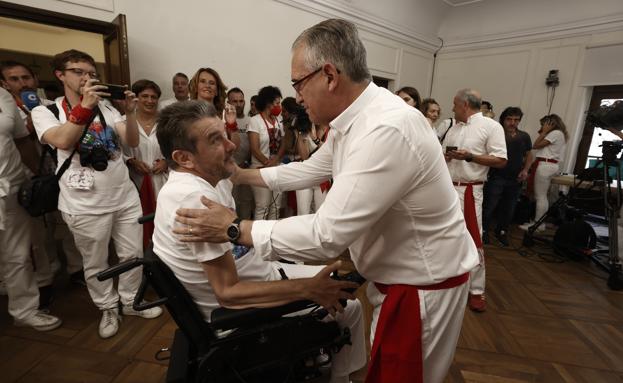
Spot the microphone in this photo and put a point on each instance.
(30, 99)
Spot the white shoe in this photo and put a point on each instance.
(151, 313)
(109, 324)
(40, 322)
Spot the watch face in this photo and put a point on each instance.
(233, 232)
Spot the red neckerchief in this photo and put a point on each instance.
(273, 136)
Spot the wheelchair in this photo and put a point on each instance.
(246, 345)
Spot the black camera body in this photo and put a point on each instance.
(93, 153)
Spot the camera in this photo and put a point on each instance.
(93, 152)
(607, 116)
(301, 121)
(610, 150)
(117, 92)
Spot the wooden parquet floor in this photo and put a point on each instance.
(546, 322)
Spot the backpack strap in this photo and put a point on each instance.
(444, 135)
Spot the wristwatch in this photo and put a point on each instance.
(233, 231)
(470, 158)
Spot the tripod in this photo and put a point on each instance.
(609, 261)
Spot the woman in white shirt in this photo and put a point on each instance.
(549, 148)
(265, 142)
(146, 160)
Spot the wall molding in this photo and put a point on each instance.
(574, 29)
(103, 5)
(367, 22)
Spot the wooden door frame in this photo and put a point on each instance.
(106, 29)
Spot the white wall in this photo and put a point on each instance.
(247, 41)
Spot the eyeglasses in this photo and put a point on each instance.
(297, 84)
(80, 72)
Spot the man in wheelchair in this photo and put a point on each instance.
(194, 143)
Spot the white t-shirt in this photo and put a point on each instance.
(148, 151)
(11, 128)
(481, 136)
(258, 125)
(556, 149)
(184, 259)
(110, 190)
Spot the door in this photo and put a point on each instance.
(117, 55)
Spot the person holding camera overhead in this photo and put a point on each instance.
(265, 141)
(97, 198)
(549, 149)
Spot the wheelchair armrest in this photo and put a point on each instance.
(119, 269)
(226, 319)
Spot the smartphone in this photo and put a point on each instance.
(117, 92)
(451, 148)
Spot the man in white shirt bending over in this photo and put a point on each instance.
(193, 142)
(391, 204)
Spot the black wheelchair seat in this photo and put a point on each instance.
(248, 345)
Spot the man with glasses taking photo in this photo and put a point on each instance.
(97, 198)
(402, 224)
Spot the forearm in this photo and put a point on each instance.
(245, 294)
(65, 136)
(258, 155)
(528, 161)
(251, 177)
(540, 141)
(132, 137)
(490, 161)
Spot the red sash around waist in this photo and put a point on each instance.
(397, 350)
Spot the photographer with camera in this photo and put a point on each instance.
(308, 138)
(97, 198)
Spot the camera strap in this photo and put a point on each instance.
(446, 132)
(67, 162)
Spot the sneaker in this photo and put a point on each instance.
(40, 322)
(109, 324)
(77, 278)
(477, 303)
(502, 237)
(485, 238)
(151, 313)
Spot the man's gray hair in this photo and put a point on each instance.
(337, 42)
(174, 124)
(471, 96)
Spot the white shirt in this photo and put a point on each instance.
(112, 189)
(184, 259)
(148, 151)
(164, 103)
(480, 135)
(556, 149)
(392, 202)
(11, 127)
(258, 125)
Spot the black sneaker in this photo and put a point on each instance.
(77, 278)
(502, 236)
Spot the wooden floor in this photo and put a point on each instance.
(547, 321)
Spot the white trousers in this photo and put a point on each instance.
(441, 313)
(305, 197)
(92, 234)
(351, 357)
(477, 275)
(44, 236)
(542, 180)
(15, 262)
(267, 203)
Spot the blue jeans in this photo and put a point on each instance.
(500, 196)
